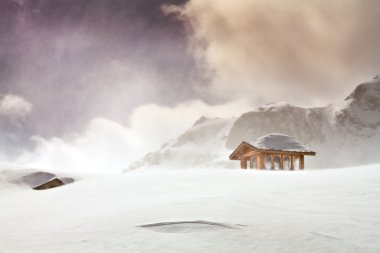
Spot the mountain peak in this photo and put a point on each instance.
(272, 106)
(366, 89)
(203, 119)
(200, 120)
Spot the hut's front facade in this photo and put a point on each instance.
(273, 151)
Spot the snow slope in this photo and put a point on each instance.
(342, 134)
(331, 210)
(200, 146)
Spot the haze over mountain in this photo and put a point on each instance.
(343, 134)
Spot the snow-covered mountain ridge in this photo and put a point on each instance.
(343, 134)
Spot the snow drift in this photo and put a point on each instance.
(332, 210)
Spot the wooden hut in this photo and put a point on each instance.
(44, 180)
(272, 151)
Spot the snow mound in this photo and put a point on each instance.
(186, 226)
(279, 142)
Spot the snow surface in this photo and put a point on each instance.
(330, 210)
(279, 142)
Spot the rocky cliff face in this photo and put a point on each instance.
(307, 125)
(357, 125)
(361, 112)
(342, 134)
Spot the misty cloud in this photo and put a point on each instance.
(14, 106)
(305, 52)
(109, 146)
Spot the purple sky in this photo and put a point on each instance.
(77, 59)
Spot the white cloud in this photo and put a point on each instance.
(107, 146)
(104, 146)
(14, 106)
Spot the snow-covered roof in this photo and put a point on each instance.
(279, 142)
(274, 142)
(37, 178)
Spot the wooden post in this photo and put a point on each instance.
(243, 164)
(302, 162)
(272, 162)
(251, 163)
(265, 161)
(257, 162)
(282, 162)
(291, 162)
(262, 159)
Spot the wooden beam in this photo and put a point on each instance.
(249, 154)
(251, 163)
(241, 149)
(282, 152)
(282, 162)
